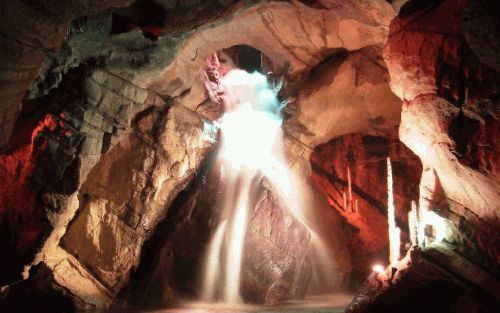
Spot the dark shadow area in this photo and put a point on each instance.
(40, 293)
(155, 18)
(172, 257)
(245, 57)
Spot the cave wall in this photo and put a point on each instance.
(276, 265)
(26, 44)
(450, 118)
(347, 93)
(443, 66)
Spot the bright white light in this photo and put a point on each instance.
(242, 78)
(438, 224)
(248, 137)
(252, 146)
(250, 129)
(251, 122)
(378, 268)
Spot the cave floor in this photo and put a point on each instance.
(332, 303)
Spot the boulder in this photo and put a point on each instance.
(129, 192)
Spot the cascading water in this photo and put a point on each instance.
(249, 129)
(252, 147)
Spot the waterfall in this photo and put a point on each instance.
(251, 147)
(250, 128)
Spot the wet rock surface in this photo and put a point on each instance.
(275, 261)
(276, 265)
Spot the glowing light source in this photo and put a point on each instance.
(426, 218)
(438, 224)
(249, 137)
(378, 268)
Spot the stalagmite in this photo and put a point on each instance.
(394, 232)
(413, 224)
(421, 226)
(349, 190)
(344, 201)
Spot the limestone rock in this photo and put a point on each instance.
(348, 94)
(54, 155)
(428, 281)
(169, 267)
(482, 30)
(427, 56)
(276, 266)
(449, 119)
(129, 191)
(293, 45)
(41, 290)
(275, 262)
(96, 184)
(25, 45)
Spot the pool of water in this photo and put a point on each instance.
(332, 303)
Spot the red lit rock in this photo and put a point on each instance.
(366, 211)
(22, 217)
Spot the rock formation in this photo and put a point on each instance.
(449, 120)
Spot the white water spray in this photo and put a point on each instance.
(252, 146)
(249, 129)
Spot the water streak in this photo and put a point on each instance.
(252, 146)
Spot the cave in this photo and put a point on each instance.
(249, 156)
